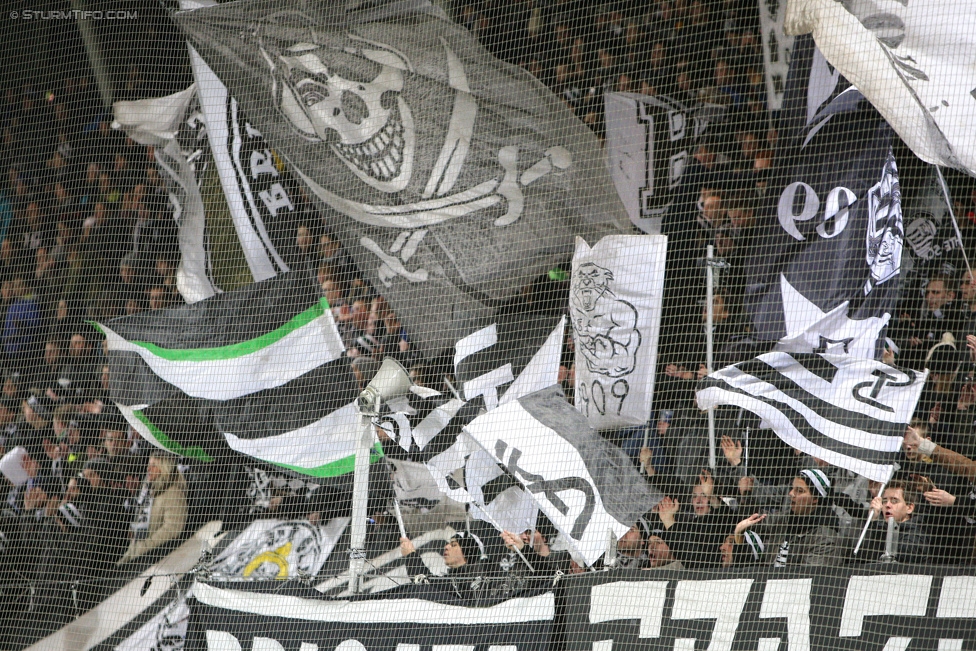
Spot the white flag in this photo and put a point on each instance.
(615, 306)
(912, 61)
(849, 412)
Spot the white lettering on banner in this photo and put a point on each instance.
(266, 644)
(956, 599)
(869, 596)
(641, 600)
(897, 644)
(262, 162)
(452, 647)
(722, 601)
(222, 641)
(350, 645)
(835, 209)
(407, 647)
(603, 645)
(275, 198)
(789, 598)
(308, 646)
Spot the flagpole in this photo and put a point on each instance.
(867, 524)
(515, 549)
(952, 215)
(709, 345)
(360, 497)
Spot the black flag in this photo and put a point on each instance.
(829, 260)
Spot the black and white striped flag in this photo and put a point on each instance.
(849, 412)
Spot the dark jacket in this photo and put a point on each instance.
(789, 539)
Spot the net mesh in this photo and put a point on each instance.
(488, 324)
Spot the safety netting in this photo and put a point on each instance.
(487, 325)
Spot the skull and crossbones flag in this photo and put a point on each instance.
(827, 257)
(584, 484)
(452, 178)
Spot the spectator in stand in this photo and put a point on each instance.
(695, 537)
(78, 377)
(807, 535)
(899, 502)
(919, 329)
(22, 328)
(462, 553)
(659, 555)
(536, 549)
(106, 516)
(163, 519)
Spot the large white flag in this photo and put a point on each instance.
(849, 412)
(914, 62)
(615, 305)
(585, 485)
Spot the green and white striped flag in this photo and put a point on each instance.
(260, 370)
(228, 346)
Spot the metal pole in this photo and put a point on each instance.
(890, 544)
(709, 344)
(360, 497)
(103, 79)
(952, 215)
(867, 524)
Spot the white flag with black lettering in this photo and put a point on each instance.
(615, 304)
(584, 484)
(849, 412)
(649, 142)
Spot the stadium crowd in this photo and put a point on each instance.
(87, 233)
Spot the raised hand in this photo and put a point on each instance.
(749, 522)
(939, 497)
(512, 541)
(732, 450)
(406, 547)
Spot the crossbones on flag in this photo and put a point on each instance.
(585, 485)
(851, 413)
(452, 178)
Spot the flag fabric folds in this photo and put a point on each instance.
(234, 344)
(850, 413)
(827, 260)
(174, 126)
(615, 303)
(457, 180)
(914, 62)
(585, 485)
(261, 370)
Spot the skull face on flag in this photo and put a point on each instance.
(452, 178)
(358, 96)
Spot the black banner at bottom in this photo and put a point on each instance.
(224, 619)
(771, 610)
